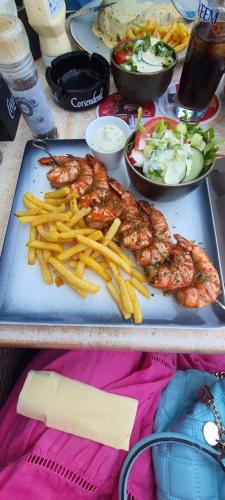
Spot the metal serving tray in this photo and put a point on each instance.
(26, 299)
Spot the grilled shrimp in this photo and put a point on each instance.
(62, 176)
(102, 215)
(154, 254)
(100, 187)
(134, 230)
(75, 172)
(46, 161)
(205, 285)
(85, 179)
(157, 221)
(178, 271)
(160, 246)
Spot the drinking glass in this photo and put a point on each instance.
(204, 63)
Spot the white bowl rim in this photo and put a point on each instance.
(101, 119)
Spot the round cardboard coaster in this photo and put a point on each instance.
(166, 104)
(114, 106)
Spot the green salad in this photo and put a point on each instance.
(172, 153)
(148, 55)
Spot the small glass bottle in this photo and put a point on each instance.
(20, 73)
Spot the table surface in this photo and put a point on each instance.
(72, 125)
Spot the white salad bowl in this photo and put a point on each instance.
(111, 159)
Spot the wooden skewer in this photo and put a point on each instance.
(220, 304)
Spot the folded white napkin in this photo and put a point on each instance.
(77, 408)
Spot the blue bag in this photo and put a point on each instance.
(189, 464)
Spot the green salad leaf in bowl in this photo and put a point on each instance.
(169, 152)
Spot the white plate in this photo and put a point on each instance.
(80, 28)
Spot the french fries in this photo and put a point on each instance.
(176, 33)
(70, 278)
(104, 251)
(31, 252)
(136, 306)
(66, 248)
(45, 269)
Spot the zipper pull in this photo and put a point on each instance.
(205, 396)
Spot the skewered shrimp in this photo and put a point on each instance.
(100, 187)
(178, 271)
(160, 247)
(85, 179)
(205, 286)
(46, 161)
(75, 172)
(135, 232)
(157, 221)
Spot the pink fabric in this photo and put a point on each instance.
(38, 463)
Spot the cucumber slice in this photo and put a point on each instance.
(175, 172)
(152, 59)
(197, 165)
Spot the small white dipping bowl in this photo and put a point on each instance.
(111, 159)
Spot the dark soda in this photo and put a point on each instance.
(204, 66)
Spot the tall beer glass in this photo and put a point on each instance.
(204, 63)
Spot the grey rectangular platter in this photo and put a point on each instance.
(26, 299)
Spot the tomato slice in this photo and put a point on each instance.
(120, 57)
(149, 127)
(122, 50)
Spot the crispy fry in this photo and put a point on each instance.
(73, 232)
(35, 220)
(62, 227)
(73, 263)
(82, 224)
(81, 292)
(51, 236)
(31, 211)
(111, 232)
(113, 246)
(46, 255)
(68, 276)
(80, 269)
(46, 272)
(32, 206)
(137, 274)
(42, 219)
(95, 266)
(39, 203)
(59, 281)
(43, 245)
(69, 252)
(31, 251)
(58, 201)
(78, 216)
(182, 46)
(140, 287)
(73, 206)
(126, 302)
(60, 193)
(117, 298)
(136, 306)
(104, 251)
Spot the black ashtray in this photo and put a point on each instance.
(78, 80)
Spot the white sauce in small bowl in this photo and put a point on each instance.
(108, 138)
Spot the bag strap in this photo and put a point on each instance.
(156, 439)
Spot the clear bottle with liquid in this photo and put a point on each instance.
(20, 73)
